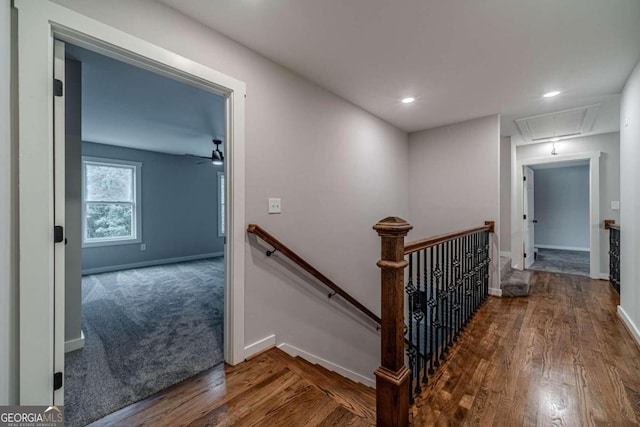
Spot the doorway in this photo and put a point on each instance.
(41, 261)
(556, 217)
(519, 239)
(144, 257)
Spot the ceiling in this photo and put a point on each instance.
(460, 59)
(130, 107)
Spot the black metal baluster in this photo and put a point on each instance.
(449, 293)
(425, 309)
(418, 316)
(431, 304)
(410, 289)
(487, 265)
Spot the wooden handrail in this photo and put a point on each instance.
(611, 223)
(282, 248)
(418, 245)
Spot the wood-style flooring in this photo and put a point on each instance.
(557, 357)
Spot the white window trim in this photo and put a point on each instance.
(137, 204)
(221, 204)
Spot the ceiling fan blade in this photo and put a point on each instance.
(197, 157)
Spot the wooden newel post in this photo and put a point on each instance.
(392, 392)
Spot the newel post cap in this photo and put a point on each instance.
(392, 226)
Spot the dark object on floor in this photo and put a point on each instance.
(145, 329)
(561, 261)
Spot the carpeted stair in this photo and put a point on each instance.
(514, 283)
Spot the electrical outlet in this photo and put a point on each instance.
(275, 206)
(143, 246)
(615, 205)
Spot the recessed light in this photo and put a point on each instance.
(551, 94)
(408, 100)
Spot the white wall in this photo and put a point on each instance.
(561, 207)
(505, 194)
(454, 180)
(630, 199)
(337, 168)
(609, 145)
(7, 284)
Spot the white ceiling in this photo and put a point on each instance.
(130, 107)
(461, 59)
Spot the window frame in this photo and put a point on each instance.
(221, 184)
(137, 203)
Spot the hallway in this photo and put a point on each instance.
(557, 357)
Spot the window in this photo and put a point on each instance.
(221, 222)
(110, 202)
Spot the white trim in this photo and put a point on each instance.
(38, 24)
(260, 345)
(495, 292)
(73, 345)
(604, 276)
(628, 323)
(136, 227)
(221, 204)
(594, 206)
(505, 254)
(8, 321)
(347, 373)
(150, 263)
(563, 248)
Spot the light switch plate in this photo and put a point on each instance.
(275, 206)
(143, 246)
(615, 205)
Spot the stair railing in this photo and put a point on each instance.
(298, 260)
(447, 281)
(614, 253)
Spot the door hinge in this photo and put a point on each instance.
(57, 381)
(58, 234)
(57, 87)
(524, 178)
(524, 217)
(525, 255)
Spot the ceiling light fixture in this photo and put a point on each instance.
(551, 94)
(217, 158)
(408, 100)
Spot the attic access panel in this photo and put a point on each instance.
(561, 124)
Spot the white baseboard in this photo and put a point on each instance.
(73, 345)
(354, 376)
(563, 248)
(603, 276)
(628, 323)
(505, 254)
(495, 292)
(151, 263)
(259, 346)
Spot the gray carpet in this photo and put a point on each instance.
(561, 261)
(145, 329)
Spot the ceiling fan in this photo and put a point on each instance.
(217, 158)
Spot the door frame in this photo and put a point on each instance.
(39, 23)
(594, 207)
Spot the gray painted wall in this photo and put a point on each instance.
(561, 206)
(609, 145)
(454, 180)
(73, 196)
(505, 194)
(179, 209)
(630, 201)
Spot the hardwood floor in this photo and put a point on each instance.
(558, 357)
(272, 389)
